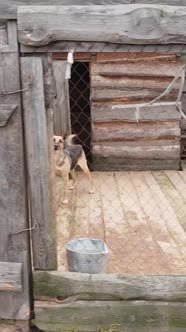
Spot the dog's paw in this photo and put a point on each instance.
(91, 191)
(65, 202)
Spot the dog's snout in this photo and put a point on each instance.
(56, 147)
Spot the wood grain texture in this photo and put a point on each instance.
(13, 197)
(6, 111)
(106, 164)
(92, 316)
(109, 286)
(62, 125)
(148, 68)
(8, 9)
(124, 131)
(50, 101)
(65, 46)
(130, 24)
(150, 149)
(10, 277)
(112, 112)
(38, 163)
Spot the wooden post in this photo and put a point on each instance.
(36, 135)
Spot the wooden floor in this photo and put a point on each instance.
(140, 215)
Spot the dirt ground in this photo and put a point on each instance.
(140, 215)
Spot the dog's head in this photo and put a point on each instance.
(58, 142)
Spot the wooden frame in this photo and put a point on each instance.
(122, 24)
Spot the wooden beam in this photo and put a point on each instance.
(14, 241)
(65, 46)
(124, 131)
(156, 112)
(83, 286)
(36, 138)
(94, 316)
(129, 24)
(127, 164)
(62, 122)
(149, 149)
(11, 277)
(8, 9)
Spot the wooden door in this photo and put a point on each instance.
(37, 108)
(14, 236)
(62, 124)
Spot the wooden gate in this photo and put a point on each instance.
(14, 237)
(38, 100)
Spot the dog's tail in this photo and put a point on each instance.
(69, 140)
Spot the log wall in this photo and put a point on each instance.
(122, 135)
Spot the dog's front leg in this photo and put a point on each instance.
(72, 173)
(65, 194)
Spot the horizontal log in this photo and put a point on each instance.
(157, 112)
(127, 164)
(114, 82)
(156, 68)
(8, 9)
(133, 57)
(121, 131)
(53, 284)
(10, 277)
(128, 94)
(65, 46)
(116, 316)
(130, 24)
(158, 149)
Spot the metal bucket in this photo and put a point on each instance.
(87, 255)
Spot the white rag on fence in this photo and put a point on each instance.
(70, 61)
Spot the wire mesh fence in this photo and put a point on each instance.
(137, 206)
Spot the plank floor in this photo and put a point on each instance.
(140, 215)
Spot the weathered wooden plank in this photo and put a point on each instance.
(93, 316)
(14, 246)
(169, 184)
(65, 46)
(132, 57)
(171, 248)
(159, 83)
(127, 94)
(122, 131)
(53, 284)
(6, 111)
(10, 277)
(3, 34)
(161, 149)
(8, 10)
(82, 286)
(62, 124)
(44, 250)
(113, 112)
(127, 164)
(50, 100)
(132, 24)
(156, 68)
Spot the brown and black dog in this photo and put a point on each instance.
(67, 156)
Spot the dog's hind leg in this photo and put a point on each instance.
(82, 162)
(72, 173)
